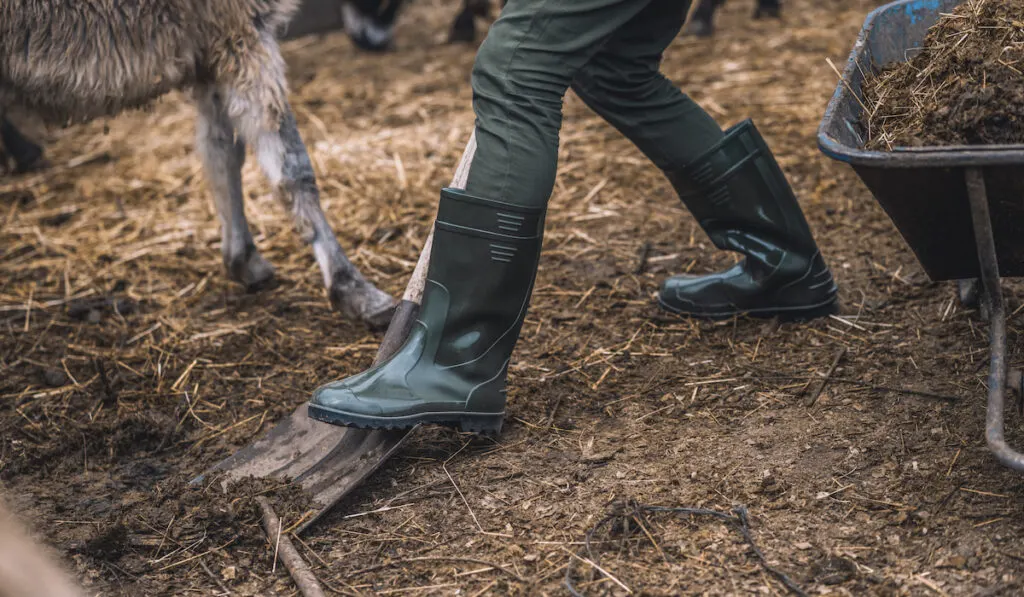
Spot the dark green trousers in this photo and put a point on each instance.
(609, 52)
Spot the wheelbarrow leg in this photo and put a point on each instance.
(989, 265)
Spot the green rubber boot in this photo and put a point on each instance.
(741, 198)
(452, 369)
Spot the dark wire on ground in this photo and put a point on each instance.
(636, 513)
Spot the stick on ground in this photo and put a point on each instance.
(831, 370)
(300, 572)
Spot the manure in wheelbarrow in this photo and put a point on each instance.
(964, 87)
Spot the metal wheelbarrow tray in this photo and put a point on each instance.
(941, 199)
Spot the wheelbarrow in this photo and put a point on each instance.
(959, 208)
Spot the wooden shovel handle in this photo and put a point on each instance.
(408, 309)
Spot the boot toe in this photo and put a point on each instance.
(339, 397)
(713, 296)
(678, 296)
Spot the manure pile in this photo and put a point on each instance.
(965, 87)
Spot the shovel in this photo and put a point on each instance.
(326, 461)
(329, 461)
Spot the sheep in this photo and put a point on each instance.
(26, 570)
(71, 61)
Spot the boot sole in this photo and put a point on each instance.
(801, 313)
(482, 423)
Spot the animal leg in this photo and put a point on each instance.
(223, 154)
(256, 103)
(464, 27)
(768, 8)
(27, 155)
(702, 20)
(283, 157)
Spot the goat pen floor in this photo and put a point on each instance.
(128, 363)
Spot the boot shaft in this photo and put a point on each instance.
(487, 258)
(740, 196)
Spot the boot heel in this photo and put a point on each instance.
(482, 424)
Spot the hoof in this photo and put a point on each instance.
(482, 8)
(263, 285)
(368, 45)
(698, 28)
(381, 320)
(35, 165)
(27, 155)
(371, 37)
(461, 36)
(463, 30)
(969, 293)
(365, 302)
(251, 270)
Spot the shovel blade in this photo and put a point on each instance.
(327, 461)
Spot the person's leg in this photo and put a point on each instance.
(729, 181)
(487, 235)
(623, 84)
(522, 71)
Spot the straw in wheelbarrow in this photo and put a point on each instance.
(964, 87)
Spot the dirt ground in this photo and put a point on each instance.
(128, 364)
